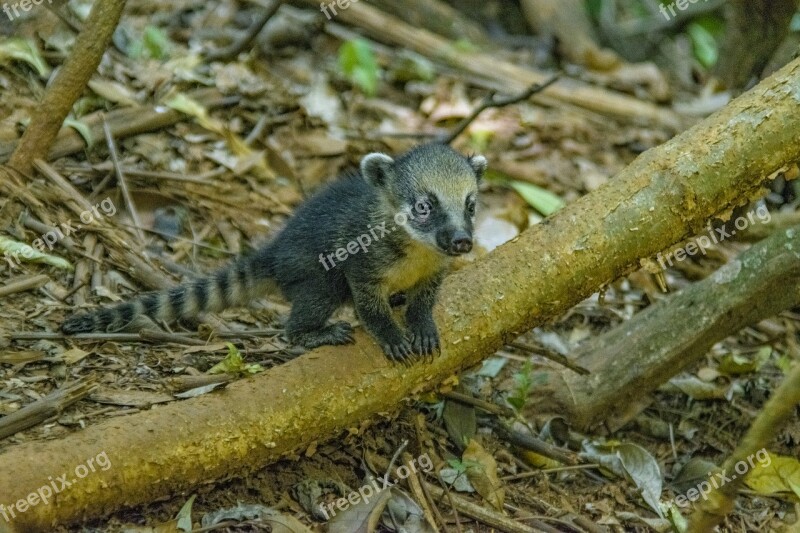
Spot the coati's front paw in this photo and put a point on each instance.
(425, 339)
(399, 351)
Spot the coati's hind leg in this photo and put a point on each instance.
(307, 325)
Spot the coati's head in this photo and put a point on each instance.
(435, 189)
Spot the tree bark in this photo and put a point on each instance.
(664, 196)
(68, 84)
(632, 360)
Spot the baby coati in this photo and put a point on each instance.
(392, 228)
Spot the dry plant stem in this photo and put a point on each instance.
(184, 383)
(68, 84)
(23, 284)
(484, 515)
(779, 221)
(489, 407)
(137, 267)
(665, 195)
(778, 410)
(389, 29)
(491, 101)
(635, 358)
(123, 185)
(416, 489)
(45, 408)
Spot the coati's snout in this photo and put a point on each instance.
(456, 242)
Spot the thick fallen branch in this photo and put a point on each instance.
(635, 358)
(664, 196)
(392, 30)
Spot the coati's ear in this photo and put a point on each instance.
(478, 164)
(377, 169)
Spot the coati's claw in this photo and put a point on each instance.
(334, 334)
(400, 352)
(341, 333)
(426, 343)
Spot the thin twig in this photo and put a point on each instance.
(551, 355)
(532, 473)
(529, 442)
(134, 337)
(236, 47)
(491, 102)
(489, 407)
(396, 456)
(123, 185)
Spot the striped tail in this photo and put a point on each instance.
(237, 284)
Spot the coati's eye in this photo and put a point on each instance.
(423, 207)
(471, 207)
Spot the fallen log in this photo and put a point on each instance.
(633, 359)
(664, 196)
(392, 30)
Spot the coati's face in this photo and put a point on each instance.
(434, 192)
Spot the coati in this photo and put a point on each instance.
(416, 211)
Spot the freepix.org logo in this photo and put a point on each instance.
(12, 11)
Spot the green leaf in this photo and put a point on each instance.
(358, 64)
(25, 51)
(540, 199)
(234, 364)
(524, 384)
(18, 251)
(773, 474)
(705, 46)
(156, 42)
(84, 130)
(409, 66)
(184, 517)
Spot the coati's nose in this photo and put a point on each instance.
(461, 243)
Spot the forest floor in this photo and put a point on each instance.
(216, 187)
